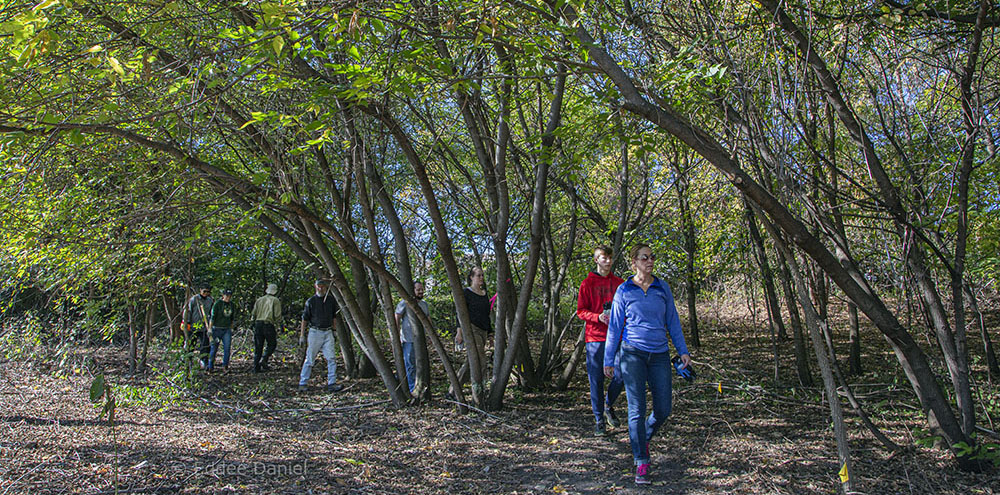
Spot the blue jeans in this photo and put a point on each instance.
(411, 371)
(320, 340)
(595, 373)
(226, 336)
(638, 369)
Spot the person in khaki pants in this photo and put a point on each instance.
(266, 319)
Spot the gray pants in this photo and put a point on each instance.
(325, 340)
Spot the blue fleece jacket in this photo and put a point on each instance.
(644, 319)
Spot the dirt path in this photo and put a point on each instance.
(254, 434)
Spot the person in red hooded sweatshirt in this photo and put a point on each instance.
(592, 306)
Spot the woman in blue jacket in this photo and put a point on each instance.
(643, 320)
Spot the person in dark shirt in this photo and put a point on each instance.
(195, 321)
(478, 304)
(320, 316)
(223, 315)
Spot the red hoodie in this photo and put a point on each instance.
(595, 290)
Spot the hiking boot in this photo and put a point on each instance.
(265, 367)
(334, 387)
(609, 414)
(642, 474)
(303, 388)
(599, 429)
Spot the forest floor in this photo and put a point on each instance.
(732, 431)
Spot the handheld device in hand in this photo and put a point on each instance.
(685, 373)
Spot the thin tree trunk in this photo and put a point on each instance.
(992, 367)
(133, 339)
(823, 359)
(770, 298)
(148, 332)
(690, 253)
(798, 338)
(172, 314)
(841, 246)
(960, 374)
(534, 247)
(574, 360)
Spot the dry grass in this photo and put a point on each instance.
(253, 434)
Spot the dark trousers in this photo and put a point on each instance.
(263, 331)
(199, 335)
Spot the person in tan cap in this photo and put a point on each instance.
(266, 318)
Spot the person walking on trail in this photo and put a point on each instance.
(195, 319)
(478, 305)
(593, 306)
(405, 320)
(223, 316)
(320, 316)
(266, 317)
(643, 322)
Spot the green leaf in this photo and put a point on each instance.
(354, 53)
(97, 388)
(278, 43)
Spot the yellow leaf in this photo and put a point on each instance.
(843, 474)
(116, 66)
(553, 441)
(720, 387)
(44, 5)
(94, 49)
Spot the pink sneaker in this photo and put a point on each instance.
(642, 474)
